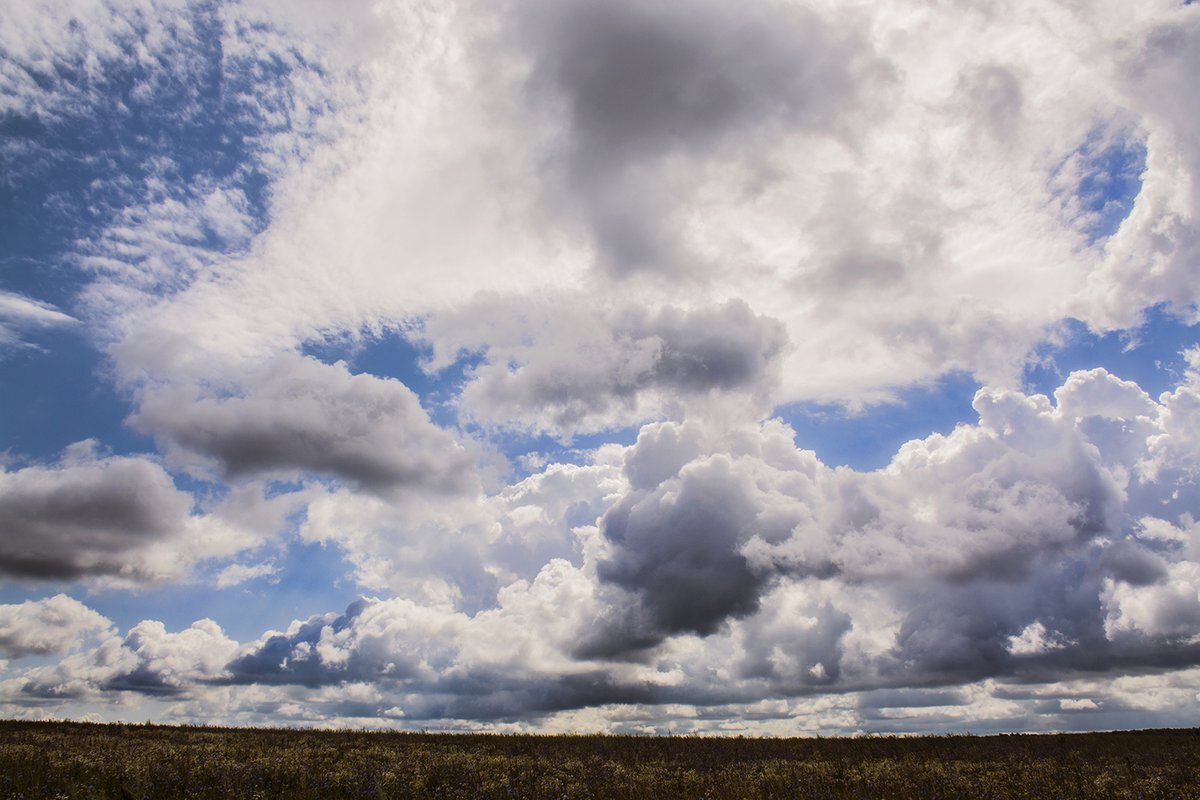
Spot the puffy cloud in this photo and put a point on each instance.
(729, 565)
(460, 551)
(373, 640)
(148, 659)
(54, 625)
(1167, 607)
(973, 539)
(295, 415)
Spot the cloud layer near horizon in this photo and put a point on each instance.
(1049, 542)
(653, 228)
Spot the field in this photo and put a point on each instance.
(79, 760)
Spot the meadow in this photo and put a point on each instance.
(81, 760)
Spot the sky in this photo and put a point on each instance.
(788, 367)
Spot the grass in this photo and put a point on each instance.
(81, 760)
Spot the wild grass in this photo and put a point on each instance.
(79, 760)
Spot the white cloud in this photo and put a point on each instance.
(19, 314)
(55, 625)
(236, 574)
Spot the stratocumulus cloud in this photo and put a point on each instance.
(577, 365)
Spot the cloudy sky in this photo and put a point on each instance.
(780, 367)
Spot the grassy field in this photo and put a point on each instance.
(78, 760)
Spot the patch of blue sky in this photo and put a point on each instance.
(1109, 169)
(191, 120)
(310, 578)
(57, 394)
(527, 453)
(1150, 356)
(866, 440)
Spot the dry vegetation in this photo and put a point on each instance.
(77, 760)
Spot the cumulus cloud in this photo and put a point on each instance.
(967, 537)
(52, 626)
(460, 551)
(148, 660)
(295, 415)
(372, 640)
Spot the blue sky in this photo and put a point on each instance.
(636, 367)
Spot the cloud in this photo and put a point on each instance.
(111, 518)
(971, 540)
(546, 371)
(372, 640)
(729, 565)
(88, 515)
(19, 314)
(802, 161)
(676, 218)
(236, 574)
(53, 626)
(1152, 257)
(295, 415)
(651, 90)
(147, 660)
(460, 551)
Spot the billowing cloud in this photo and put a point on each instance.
(730, 565)
(52, 626)
(148, 660)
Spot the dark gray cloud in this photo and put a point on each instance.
(645, 82)
(87, 516)
(676, 551)
(296, 414)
